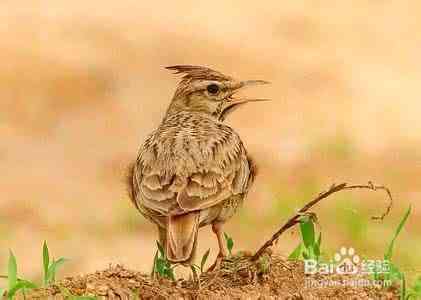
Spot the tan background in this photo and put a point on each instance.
(82, 83)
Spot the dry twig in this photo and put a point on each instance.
(333, 189)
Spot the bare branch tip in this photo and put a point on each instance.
(304, 211)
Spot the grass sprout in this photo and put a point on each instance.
(15, 284)
(50, 269)
(161, 265)
(204, 259)
(309, 247)
(230, 243)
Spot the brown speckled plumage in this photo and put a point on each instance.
(193, 170)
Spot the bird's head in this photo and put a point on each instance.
(204, 90)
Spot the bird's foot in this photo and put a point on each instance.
(216, 266)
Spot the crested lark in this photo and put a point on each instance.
(193, 170)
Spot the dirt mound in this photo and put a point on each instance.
(272, 277)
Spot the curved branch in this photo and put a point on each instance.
(333, 189)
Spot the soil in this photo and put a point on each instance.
(271, 277)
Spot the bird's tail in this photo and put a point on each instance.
(182, 236)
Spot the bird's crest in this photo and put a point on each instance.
(198, 73)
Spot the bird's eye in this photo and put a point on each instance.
(212, 89)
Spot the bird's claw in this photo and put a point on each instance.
(216, 266)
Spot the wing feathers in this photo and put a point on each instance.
(152, 182)
(178, 172)
(191, 203)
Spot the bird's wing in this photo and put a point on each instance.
(153, 190)
(206, 189)
(176, 186)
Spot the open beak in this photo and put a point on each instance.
(233, 103)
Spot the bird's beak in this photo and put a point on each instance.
(232, 103)
(252, 83)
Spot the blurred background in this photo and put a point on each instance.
(83, 82)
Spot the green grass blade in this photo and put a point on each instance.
(307, 232)
(160, 248)
(389, 252)
(204, 258)
(170, 274)
(12, 270)
(45, 260)
(1, 293)
(160, 266)
(416, 288)
(296, 253)
(195, 275)
(403, 287)
(154, 263)
(13, 290)
(163, 268)
(65, 292)
(394, 273)
(317, 251)
(20, 285)
(52, 270)
(230, 243)
(28, 284)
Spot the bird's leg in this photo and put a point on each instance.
(223, 252)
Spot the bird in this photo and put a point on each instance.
(194, 170)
